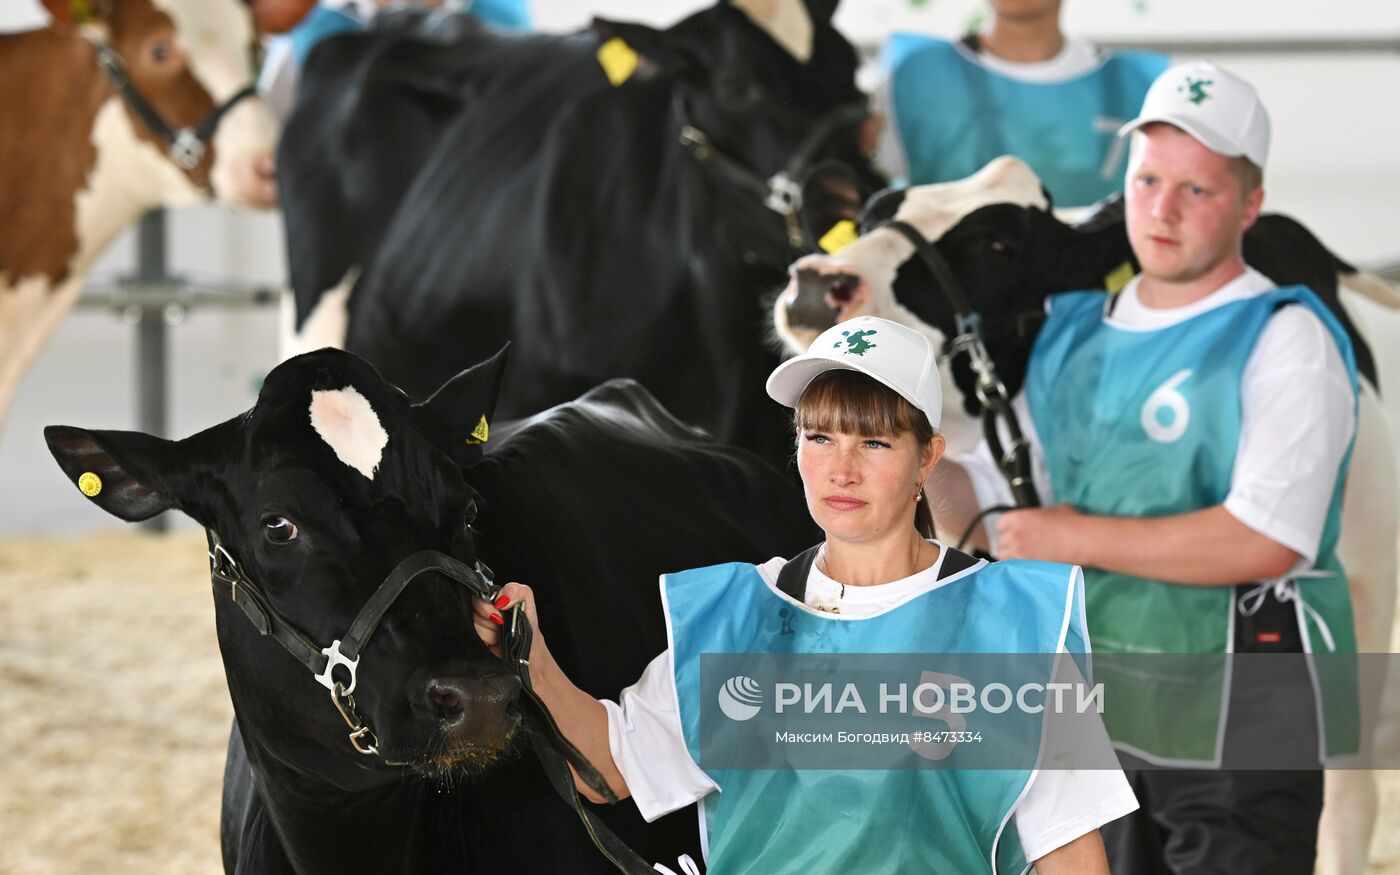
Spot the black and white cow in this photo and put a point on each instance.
(322, 488)
(1009, 251)
(472, 187)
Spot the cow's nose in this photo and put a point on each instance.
(446, 699)
(265, 166)
(819, 298)
(474, 706)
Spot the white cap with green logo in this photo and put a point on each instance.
(1210, 103)
(886, 351)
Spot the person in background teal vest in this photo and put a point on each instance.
(1195, 431)
(286, 55)
(1018, 87)
(867, 403)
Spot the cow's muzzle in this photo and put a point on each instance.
(478, 712)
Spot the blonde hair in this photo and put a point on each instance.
(1249, 175)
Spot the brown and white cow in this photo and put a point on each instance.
(78, 163)
(1000, 240)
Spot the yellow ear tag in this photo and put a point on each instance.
(82, 13)
(89, 484)
(618, 59)
(481, 433)
(1118, 277)
(841, 235)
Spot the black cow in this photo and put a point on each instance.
(486, 187)
(321, 489)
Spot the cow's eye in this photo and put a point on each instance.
(160, 52)
(279, 529)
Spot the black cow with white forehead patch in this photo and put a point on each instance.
(320, 492)
(477, 187)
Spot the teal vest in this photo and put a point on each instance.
(872, 822)
(953, 115)
(1146, 424)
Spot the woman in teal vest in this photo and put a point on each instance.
(867, 404)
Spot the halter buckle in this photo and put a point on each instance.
(784, 194)
(333, 658)
(693, 138)
(187, 149)
(362, 738)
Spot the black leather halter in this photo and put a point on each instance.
(555, 752)
(1014, 461)
(343, 652)
(185, 146)
(781, 192)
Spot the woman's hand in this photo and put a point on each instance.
(1052, 534)
(491, 617)
(581, 718)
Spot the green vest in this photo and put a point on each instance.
(1146, 424)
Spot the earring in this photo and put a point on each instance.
(919, 495)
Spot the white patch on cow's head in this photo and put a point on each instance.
(876, 257)
(787, 21)
(217, 38)
(874, 260)
(348, 424)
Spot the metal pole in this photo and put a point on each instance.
(151, 338)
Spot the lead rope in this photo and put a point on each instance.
(556, 759)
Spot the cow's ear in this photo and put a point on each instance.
(75, 13)
(122, 472)
(458, 417)
(627, 49)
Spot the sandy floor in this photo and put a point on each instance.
(114, 715)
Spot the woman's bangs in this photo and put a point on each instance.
(851, 403)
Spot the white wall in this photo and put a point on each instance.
(1334, 165)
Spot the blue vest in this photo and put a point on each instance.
(953, 115)
(322, 22)
(873, 822)
(1145, 424)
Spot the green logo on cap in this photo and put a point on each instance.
(1198, 89)
(856, 344)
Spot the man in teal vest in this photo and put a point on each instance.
(1195, 431)
(1018, 87)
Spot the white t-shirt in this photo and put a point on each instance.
(1075, 59)
(1298, 418)
(648, 743)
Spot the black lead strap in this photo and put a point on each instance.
(1014, 461)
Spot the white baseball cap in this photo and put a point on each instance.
(1210, 103)
(886, 351)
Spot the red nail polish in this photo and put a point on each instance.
(502, 601)
(498, 620)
